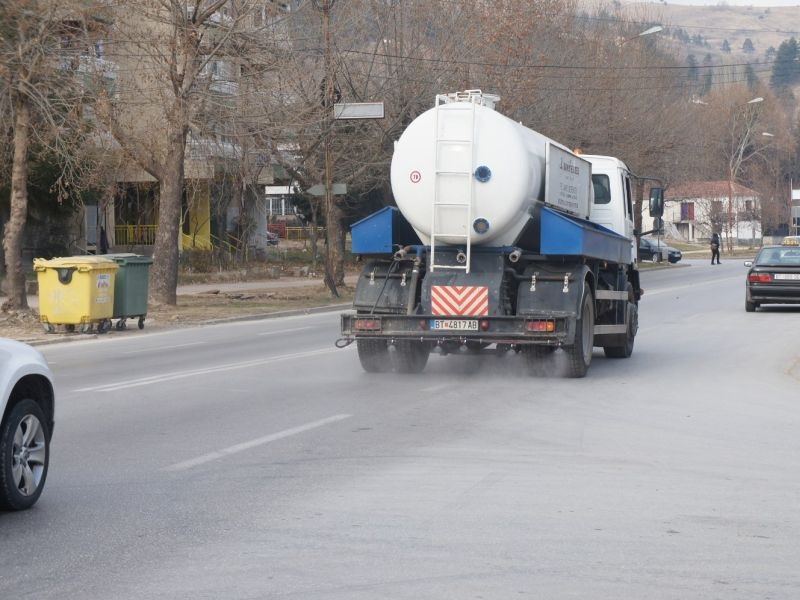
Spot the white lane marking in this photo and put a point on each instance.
(121, 385)
(172, 347)
(205, 458)
(284, 331)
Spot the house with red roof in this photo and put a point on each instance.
(695, 209)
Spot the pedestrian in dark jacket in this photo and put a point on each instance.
(715, 243)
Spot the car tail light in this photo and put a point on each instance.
(759, 277)
(367, 324)
(484, 325)
(541, 326)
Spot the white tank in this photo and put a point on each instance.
(462, 169)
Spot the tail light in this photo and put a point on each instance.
(759, 277)
(367, 324)
(541, 326)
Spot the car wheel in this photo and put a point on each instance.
(750, 306)
(24, 456)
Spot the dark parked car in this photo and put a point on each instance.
(774, 277)
(650, 249)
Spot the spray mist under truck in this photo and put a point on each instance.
(502, 240)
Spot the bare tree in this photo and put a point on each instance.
(167, 50)
(42, 45)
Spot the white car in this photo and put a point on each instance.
(27, 407)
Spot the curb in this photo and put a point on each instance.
(254, 317)
(275, 315)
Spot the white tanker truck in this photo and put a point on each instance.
(502, 240)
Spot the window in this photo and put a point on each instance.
(602, 189)
(628, 195)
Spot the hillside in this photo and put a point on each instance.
(765, 27)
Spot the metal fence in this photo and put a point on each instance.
(134, 235)
(302, 233)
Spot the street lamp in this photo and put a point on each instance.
(737, 153)
(651, 30)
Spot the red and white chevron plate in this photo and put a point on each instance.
(463, 301)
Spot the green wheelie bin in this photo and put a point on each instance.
(130, 288)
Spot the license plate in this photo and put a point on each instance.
(788, 276)
(455, 324)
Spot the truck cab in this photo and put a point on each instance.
(612, 206)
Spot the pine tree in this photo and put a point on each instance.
(726, 47)
(693, 73)
(785, 70)
(708, 82)
(748, 47)
(750, 75)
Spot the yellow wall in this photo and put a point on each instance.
(199, 216)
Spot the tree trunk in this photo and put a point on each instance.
(164, 272)
(14, 229)
(334, 265)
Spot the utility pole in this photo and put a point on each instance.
(333, 227)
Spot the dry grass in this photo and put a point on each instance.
(190, 310)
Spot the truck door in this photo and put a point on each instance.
(628, 208)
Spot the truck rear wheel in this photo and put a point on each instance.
(411, 356)
(374, 355)
(579, 355)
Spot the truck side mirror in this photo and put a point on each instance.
(656, 202)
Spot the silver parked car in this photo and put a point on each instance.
(27, 407)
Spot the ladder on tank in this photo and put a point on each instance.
(454, 184)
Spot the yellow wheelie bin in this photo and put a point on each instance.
(76, 291)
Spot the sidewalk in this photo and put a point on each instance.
(192, 289)
(198, 304)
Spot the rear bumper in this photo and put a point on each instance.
(491, 330)
(774, 294)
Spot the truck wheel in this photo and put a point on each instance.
(411, 356)
(626, 350)
(579, 355)
(24, 456)
(374, 355)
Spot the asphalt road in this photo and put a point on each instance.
(255, 460)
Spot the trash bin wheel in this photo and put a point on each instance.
(141, 322)
(121, 324)
(85, 328)
(48, 328)
(103, 326)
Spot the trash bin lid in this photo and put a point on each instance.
(123, 258)
(82, 263)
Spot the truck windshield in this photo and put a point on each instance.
(602, 191)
